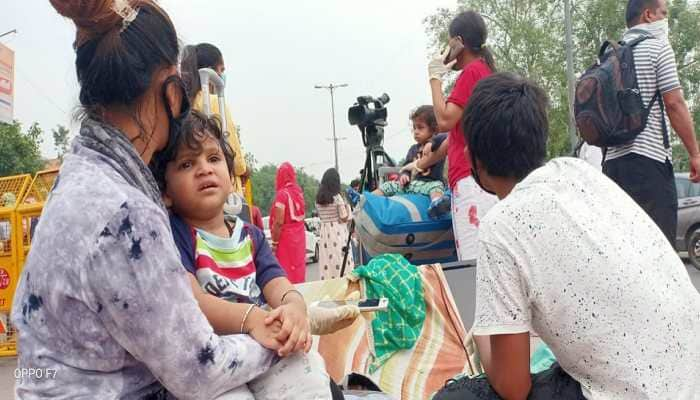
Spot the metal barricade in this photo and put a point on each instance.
(12, 190)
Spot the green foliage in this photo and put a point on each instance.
(19, 152)
(61, 140)
(263, 181)
(527, 37)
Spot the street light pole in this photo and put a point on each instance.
(8, 32)
(331, 88)
(570, 79)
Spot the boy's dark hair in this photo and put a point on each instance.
(427, 115)
(116, 62)
(470, 26)
(195, 129)
(203, 55)
(635, 8)
(330, 186)
(505, 125)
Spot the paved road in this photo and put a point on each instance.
(7, 366)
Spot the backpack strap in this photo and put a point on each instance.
(639, 39)
(657, 97)
(604, 47)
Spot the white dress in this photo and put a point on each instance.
(334, 236)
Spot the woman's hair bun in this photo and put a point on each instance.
(92, 18)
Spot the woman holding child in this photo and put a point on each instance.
(107, 304)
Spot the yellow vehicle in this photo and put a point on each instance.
(21, 201)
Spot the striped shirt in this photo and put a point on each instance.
(655, 65)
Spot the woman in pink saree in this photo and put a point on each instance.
(287, 224)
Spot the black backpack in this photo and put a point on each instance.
(608, 105)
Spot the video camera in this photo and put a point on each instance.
(362, 114)
(369, 114)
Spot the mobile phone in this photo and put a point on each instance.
(456, 48)
(366, 305)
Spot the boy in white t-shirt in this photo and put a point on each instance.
(567, 255)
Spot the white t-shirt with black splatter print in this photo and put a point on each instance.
(569, 256)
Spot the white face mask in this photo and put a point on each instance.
(658, 28)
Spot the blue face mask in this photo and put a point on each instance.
(223, 77)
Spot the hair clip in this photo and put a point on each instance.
(125, 11)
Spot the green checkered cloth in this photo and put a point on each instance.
(398, 328)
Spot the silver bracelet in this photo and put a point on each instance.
(245, 317)
(291, 291)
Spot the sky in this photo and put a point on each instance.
(275, 52)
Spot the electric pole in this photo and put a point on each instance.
(331, 88)
(570, 79)
(8, 32)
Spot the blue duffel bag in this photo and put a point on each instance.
(400, 224)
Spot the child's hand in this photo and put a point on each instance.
(404, 180)
(295, 332)
(264, 334)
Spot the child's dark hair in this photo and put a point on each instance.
(426, 114)
(196, 128)
(203, 55)
(115, 62)
(330, 186)
(470, 26)
(505, 125)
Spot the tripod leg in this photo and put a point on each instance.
(365, 173)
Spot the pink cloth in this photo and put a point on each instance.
(291, 248)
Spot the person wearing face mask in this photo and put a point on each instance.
(469, 53)
(206, 55)
(643, 167)
(104, 302)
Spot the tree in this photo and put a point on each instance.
(263, 181)
(19, 152)
(527, 37)
(61, 140)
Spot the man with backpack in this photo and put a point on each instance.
(642, 167)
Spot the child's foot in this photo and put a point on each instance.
(440, 206)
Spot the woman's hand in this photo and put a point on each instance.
(436, 67)
(404, 180)
(427, 149)
(263, 333)
(295, 332)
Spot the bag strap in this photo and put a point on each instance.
(604, 48)
(657, 97)
(636, 41)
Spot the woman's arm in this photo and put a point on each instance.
(276, 228)
(145, 301)
(343, 209)
(447, 114)
(434, 157)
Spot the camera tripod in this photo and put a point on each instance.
(369, 178)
